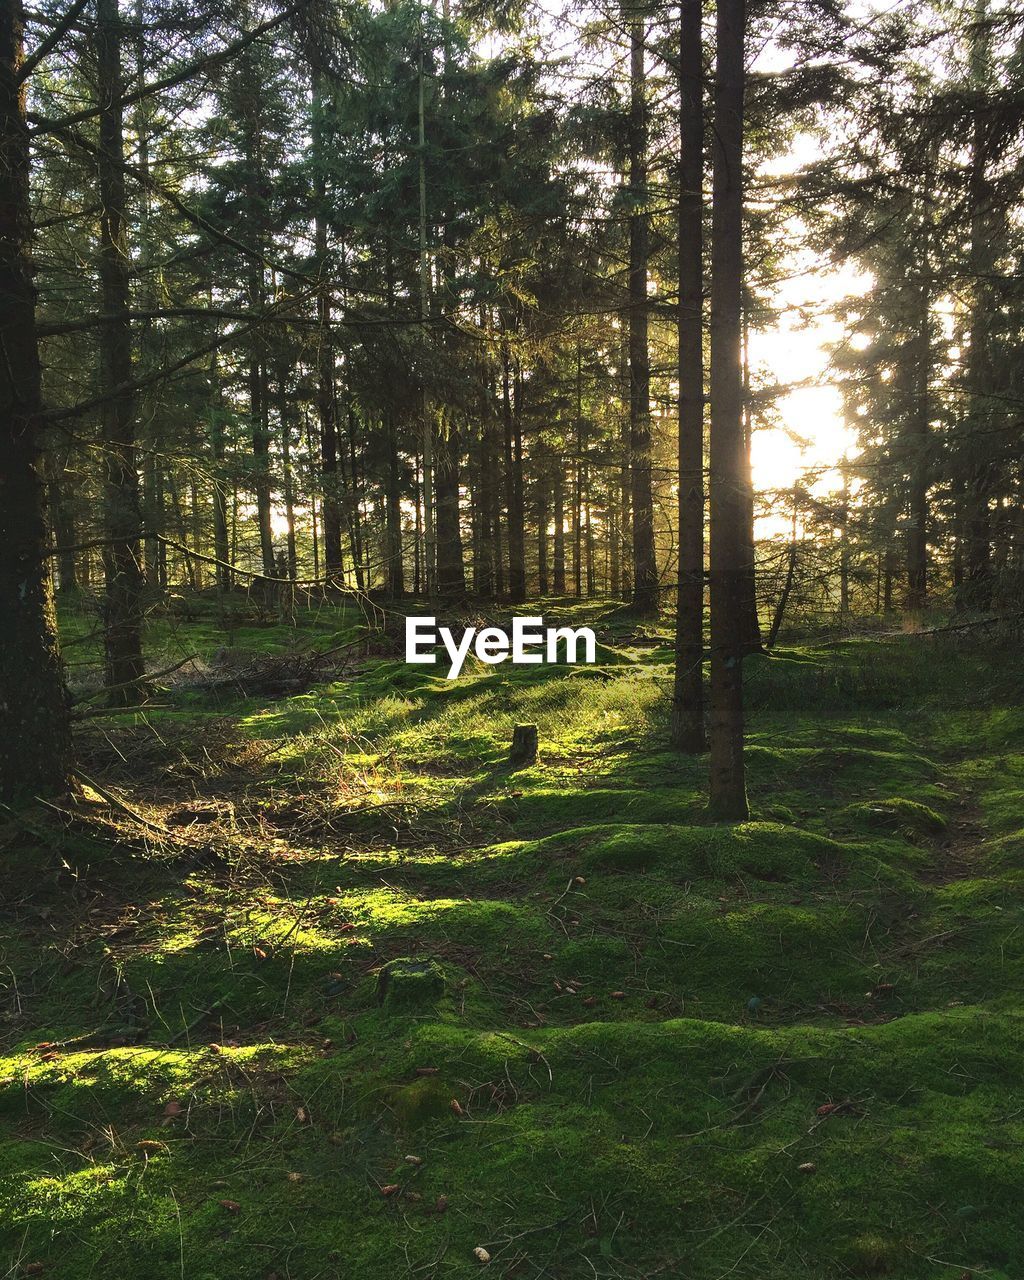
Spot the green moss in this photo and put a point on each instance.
(647, 1024)
(898, 813)
(411, 984)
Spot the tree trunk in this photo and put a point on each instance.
(485, 500)
(221, 543)
(355, 513)
(514, 483)
(451, 573)
(285, 425)
(645, 568)
(787, 586)
(326, 395)
(313, 532)
(588, 537)
(62, 525)
(260, 428)
(559, 540)
(844, 552)
(395, 570)
(751, 620)
(123, 605)
(542, 533)
(625, 472)
(35, 739)
(917, 531)
(977, 588)
(426, 417)
(887, 580)
(181, 529)
(728, 798)
(687, 726)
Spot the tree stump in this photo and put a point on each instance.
(524, 744)
(411, 983)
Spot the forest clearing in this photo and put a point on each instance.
(511, 718)
(630, 1044)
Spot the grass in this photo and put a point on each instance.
(359, 1000)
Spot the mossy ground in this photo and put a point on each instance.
(632, 1028)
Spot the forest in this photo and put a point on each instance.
(695, 326)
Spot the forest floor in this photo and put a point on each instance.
(624, 1042)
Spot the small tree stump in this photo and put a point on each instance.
(411, 983)
(524, 744)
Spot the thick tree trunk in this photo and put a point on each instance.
(687, 727)
(121, 557)
(977, 586)
(35, 740)
(728, 798)
(645, 568)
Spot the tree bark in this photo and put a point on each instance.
(687, 726)
(35, 739)
(124, 667)
(728, 798)
(645, 569)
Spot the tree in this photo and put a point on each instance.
(688, 690)
(125, 668)
(645, 567)
(728, 798)
(35, 739)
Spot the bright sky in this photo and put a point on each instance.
(805, 435)
(802, 434)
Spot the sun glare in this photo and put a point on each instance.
(800, 429)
